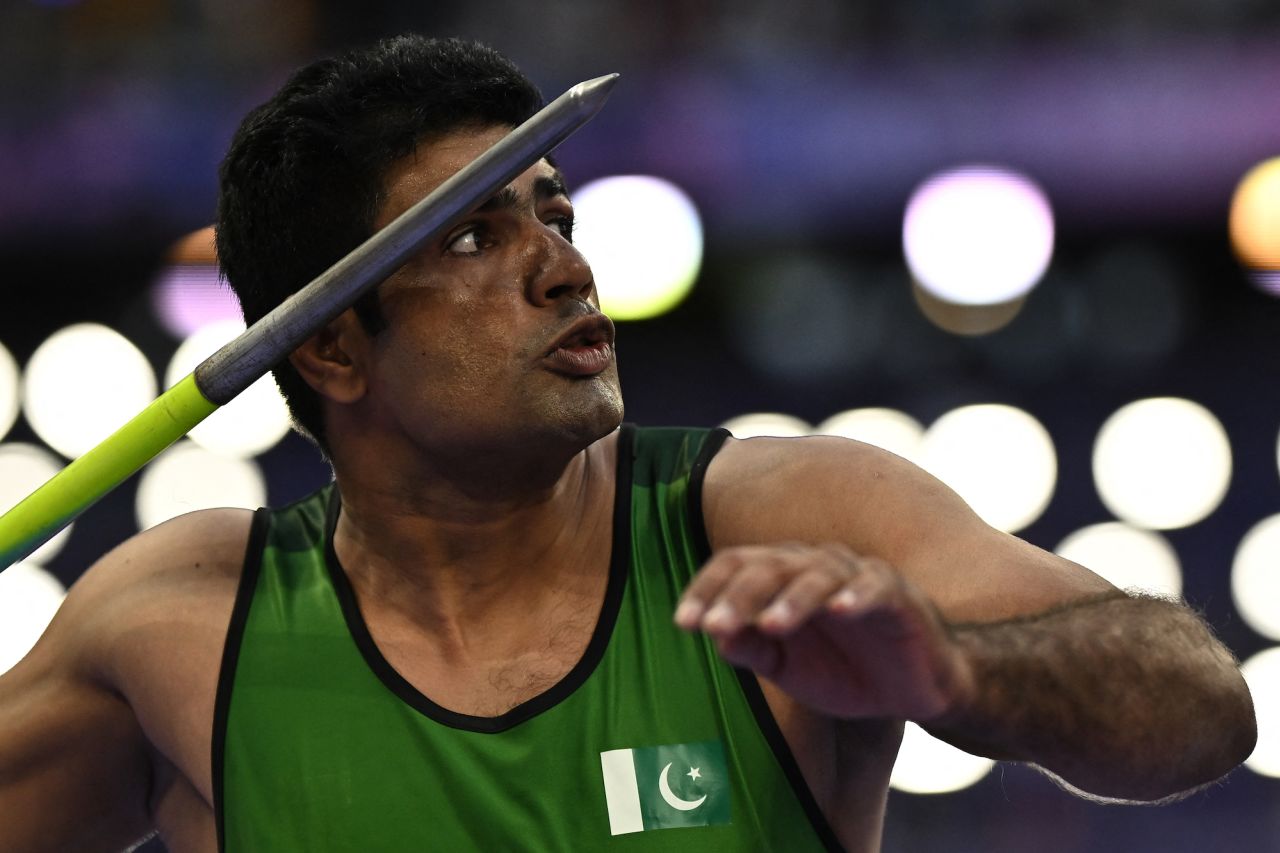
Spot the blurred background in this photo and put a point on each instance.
(1033, 246)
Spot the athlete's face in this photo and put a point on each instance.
(493, 331)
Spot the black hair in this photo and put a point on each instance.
(304, 176)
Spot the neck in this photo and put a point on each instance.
(444, 547)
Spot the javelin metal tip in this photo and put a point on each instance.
(593, 92)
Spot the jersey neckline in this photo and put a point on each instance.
(619, 565)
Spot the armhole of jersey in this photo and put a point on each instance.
(746, 678)
(230, 655)
(697, 525)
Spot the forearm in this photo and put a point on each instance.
(1123, 697)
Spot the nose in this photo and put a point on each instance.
(559, 270)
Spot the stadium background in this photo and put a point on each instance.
(800, 133)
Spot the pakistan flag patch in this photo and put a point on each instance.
(660, 787)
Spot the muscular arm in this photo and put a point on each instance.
(920, 611)
(74, 771)
(105, 725)
(1124, 697)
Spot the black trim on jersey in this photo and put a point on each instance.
(231, 655)
(710, 447)
(782, 751)
(619, 568)
(746, 678)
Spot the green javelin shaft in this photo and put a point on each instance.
(240, 363)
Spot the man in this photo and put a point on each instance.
(511, 624)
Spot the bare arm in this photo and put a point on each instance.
(74, 771)
(105, 725)
(920, 611)
(1124, 697)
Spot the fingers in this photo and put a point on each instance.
(778, 588)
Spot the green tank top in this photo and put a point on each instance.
(650, 742)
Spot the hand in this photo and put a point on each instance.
(845, 635)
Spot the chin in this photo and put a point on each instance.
(586, 421)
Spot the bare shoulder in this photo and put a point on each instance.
(764, 491)
(760, 490)
(192, 560)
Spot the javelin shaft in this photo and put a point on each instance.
(244, 360)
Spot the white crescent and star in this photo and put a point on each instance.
(672, 800)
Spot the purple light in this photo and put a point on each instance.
(1268, 281)
(978, 235)
(187, 297)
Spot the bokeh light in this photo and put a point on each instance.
(1255, 217)
(23, 469)
(187, 297)
(1162, 462)
(776, 424)
(251, 423)
(1128, 557)
(978, 235)
(186, 477)
(189, 292)
(1255, 577)
(967, 320)
(9, 380)
(1000, 459)
(1266, 280)
(29, 596)
(643, 238)
(1262, 673)
(927, 765)
(82, 384)
(889, 429)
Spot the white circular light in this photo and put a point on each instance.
(978, 235)
(1262, 673)
(82, 384)
(643, 239)
(1255, 577)
(773, 424)
(927, 765)
(187, 477)
(8, 391)
(253, 422)
(23, 469)
(887, 429)
(1127, 557)
(998, 458)
(1162, 463)
(29, 596)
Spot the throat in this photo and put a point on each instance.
(489, 666)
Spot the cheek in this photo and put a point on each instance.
(458, 349)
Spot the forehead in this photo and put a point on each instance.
(432, 163)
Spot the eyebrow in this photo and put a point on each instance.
(543, 188)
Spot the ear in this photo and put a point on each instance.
(333, 361)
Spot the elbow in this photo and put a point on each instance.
(1220, 743)
(1242, 725)
(1174, 761)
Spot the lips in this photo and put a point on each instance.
(585, 348)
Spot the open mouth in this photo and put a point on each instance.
(586, 349)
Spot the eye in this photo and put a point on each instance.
(564, 224)
(466, 243)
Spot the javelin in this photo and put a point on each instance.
(232, 369)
